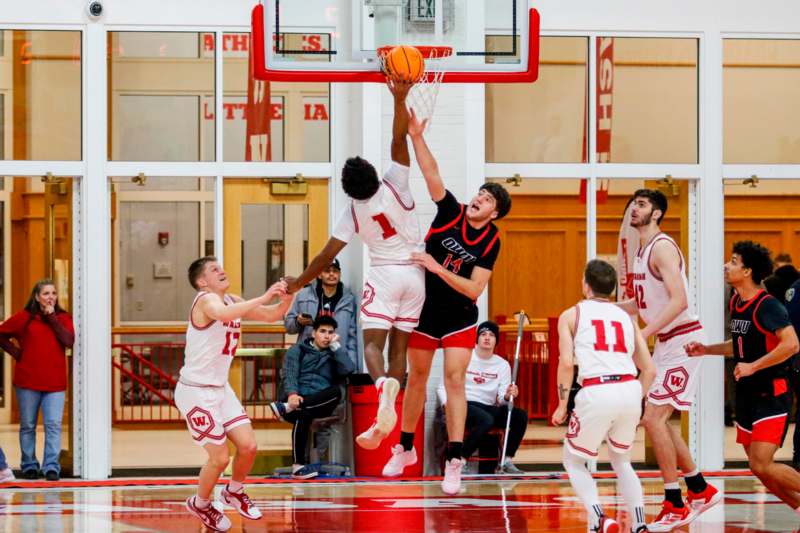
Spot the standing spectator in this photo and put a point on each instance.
(5, 471)
(488, 389)
(312, 371)
(326, 297)
(792, 301)
(782, 259)
(42, 331)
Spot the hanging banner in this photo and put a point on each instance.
(258, 145)
(627, 246)
(603, 106)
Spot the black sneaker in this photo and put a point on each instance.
(52, 475)
(278, 409)
(30, 474)
(305, 472)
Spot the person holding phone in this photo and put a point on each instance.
(327, 296)
(37, 337)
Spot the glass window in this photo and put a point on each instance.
(163, 224)
(274, 121)
(647, 100)
(760, 80)
(160, 85)
(542, 122)
(40, 95)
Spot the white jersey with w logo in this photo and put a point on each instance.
(387, 222)
(209, 349)
(604, 340)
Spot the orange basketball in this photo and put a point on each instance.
(405, 62)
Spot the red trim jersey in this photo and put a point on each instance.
(386, 222)
(210, 349)
(753, 326)
(459, 247)
(650, 292)
(604, 340)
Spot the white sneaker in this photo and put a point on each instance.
(399, 460)
(371, 438)
(241, 502)
(211, 517)
(387, 416)
(451, 483)
(6, 475)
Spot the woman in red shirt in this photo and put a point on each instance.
(42, 331)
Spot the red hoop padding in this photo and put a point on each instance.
(261, 72)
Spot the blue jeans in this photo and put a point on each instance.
(52, 404)
(3, 462)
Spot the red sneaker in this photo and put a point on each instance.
(241, 502)
(209, 516)
(700, 501)
(671, 517)
(607, 525)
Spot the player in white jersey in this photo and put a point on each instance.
(662, 301)
(383, 214)
(212, 411)
(608, 347)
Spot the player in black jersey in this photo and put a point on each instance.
(763, 340)
(460, 250)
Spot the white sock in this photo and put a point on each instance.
(201, 503)
(379, 382)
(235, 486)
(288, 407)
(296, 467)
(691, 474)
(584, 486)
(629, 485)
(670, 486)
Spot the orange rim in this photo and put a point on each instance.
(428, 52)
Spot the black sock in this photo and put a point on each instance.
(454, 450)
(696, 483)
(673, 496)
(407, 440)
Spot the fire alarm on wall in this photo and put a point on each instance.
(163, 238)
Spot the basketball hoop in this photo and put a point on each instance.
(424, 93)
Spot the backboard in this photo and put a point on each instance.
(492, 41)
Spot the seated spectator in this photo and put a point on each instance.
(42, 331)
(780, 281)
(327, 296)
(312, 371)
(488, 389)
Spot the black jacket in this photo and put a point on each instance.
(307, 370)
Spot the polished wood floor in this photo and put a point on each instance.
(491, 505)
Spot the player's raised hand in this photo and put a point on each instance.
(559, 416)
(743, 370)
(415, 126)
(695, 349)
(399, 87)
(426, 260)
(278, 289)
(291, 284)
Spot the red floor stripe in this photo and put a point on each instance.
(174, 482)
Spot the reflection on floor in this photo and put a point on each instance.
(408, 507)
(132, 447)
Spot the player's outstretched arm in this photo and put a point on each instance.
(787, 347)
(566, 363)
(629, 306)
(399, 90)
(425, 160)
(214, 308)
(642, 359)
(274, 312)
(698, 349)
(322, 261)
(471, 287)
(667, 260)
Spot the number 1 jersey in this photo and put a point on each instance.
(386, 222)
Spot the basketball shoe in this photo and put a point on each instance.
(210, 516)
(451, 483)
(671, 517)
(607, 525)
(399, 460)
(700, 501)
(241, 502)
(387, 416)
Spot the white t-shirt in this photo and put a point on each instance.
(387, 222)
(486, 382)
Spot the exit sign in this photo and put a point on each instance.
(422, 10)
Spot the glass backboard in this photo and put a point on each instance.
(336, 40)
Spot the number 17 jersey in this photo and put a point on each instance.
(386, 222)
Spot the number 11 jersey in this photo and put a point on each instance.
(604, 340)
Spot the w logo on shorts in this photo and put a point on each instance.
(199, 421)
(676, 381)
(574, 426)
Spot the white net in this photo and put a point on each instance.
(422, 97)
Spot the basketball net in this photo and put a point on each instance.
(422, 97)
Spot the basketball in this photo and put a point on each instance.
(405, 62)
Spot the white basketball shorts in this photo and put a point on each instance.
(677, 374)
(393, 297)
(210, 412)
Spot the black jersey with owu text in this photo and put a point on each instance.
(754, 324)
(459, 247)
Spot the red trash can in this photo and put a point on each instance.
(364, 400)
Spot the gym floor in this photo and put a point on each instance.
(533, 503)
